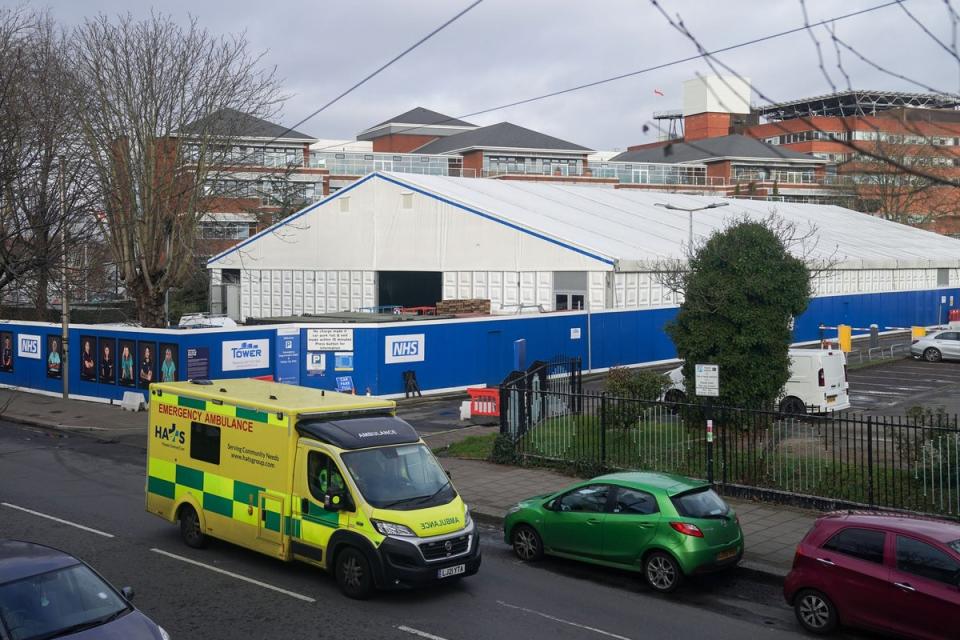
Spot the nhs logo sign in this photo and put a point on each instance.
(28, 346)
(239, 355)
(408, 348)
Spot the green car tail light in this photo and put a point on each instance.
(687, 529)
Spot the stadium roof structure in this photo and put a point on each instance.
(855, 102)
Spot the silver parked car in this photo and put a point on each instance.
(941, 345)
(47, 593)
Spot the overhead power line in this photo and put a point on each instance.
(656, 67)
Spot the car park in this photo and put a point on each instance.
(818, 383)
(939, 345)
(892, 573)
(664, 526)
(48, 593)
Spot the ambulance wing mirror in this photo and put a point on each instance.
(336, 500)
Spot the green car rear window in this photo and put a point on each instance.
(700, 503)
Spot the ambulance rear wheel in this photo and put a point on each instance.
(353, 574)
(190, 530)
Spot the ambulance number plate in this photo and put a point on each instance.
(451, 571)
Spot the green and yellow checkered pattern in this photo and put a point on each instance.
(236, 500)
(215, 493)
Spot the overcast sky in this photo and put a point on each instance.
(506, 50)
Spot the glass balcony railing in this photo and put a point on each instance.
(359, 164)
(654, 173)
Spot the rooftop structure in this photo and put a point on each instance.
(854, 102)
(715, 149)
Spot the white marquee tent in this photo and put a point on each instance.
(545, 244)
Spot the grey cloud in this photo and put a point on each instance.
(506, 50)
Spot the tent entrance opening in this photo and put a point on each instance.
(409, 288)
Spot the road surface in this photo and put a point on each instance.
(86, 497)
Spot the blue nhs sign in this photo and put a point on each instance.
(406, 348)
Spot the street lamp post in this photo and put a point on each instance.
(690, 211)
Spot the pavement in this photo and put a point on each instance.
(771, 531)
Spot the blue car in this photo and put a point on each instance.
(46, 593)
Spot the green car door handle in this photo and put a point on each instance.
(644, 525)
(593, 521)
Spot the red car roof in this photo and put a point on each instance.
(936, 529)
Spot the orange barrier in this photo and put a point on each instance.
(268, 378)
(484, 402)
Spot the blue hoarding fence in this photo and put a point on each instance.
(106, 361)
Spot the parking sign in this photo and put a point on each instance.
(707, 378)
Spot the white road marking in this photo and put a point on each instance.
(417, 632)
(292, 594)
(60, 520)
(561, 620)
(888, 385)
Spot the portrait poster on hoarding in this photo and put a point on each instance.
(108, 360)
(6, 351)
(54, 357)
(169, 359)
(147, 369)
(127, 363)
(88, 358)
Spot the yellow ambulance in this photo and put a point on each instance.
(330, 479)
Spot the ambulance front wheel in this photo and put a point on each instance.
(353, 574)
(190, 530)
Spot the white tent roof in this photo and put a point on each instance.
(625, 226)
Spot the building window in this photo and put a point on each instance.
(205, 442)
(213, 230)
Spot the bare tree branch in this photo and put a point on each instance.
(148, 89)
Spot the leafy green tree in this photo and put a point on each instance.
(740, 292)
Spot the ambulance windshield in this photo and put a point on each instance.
(403, 477)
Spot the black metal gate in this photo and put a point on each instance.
(544, 390)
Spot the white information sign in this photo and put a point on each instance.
(329, 339)
(407, 348)
(240, 355)
(28, 346)
(574, 333)
(707, 378)
(316, 362)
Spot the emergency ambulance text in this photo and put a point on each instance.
(214, 419)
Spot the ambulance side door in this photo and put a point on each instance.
(316, 473)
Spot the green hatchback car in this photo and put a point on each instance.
(664, 525)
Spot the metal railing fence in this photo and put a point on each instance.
(878, 461)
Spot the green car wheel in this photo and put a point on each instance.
(662, 572)
(527, 543)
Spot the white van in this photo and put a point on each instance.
(818, 382)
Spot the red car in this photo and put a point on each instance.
(886, 572)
